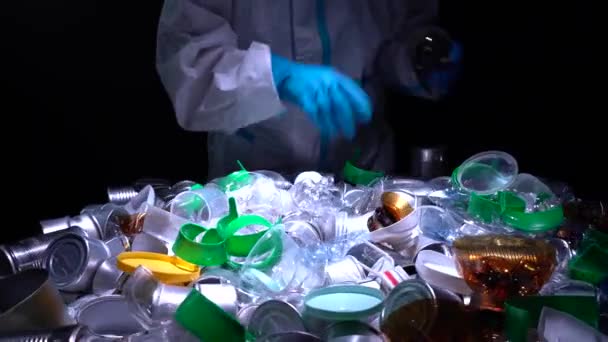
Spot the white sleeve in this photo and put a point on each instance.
(214, 86)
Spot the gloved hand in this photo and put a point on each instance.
(334, 102)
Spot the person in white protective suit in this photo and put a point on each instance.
(289, 85)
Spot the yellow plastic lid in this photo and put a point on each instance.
(167, 269)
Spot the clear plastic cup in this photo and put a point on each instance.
(277, 266)
(487, 173)
(437, 223)
(201, 205)
(161, 224)
(537, 195)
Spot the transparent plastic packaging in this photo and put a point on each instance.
(537, 195)
(161, 224)
(487, 173)
(438, 224)
(145, 196)
(202, 206)
(310, 195)
(277, 266)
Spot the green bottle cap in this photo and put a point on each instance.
(240, 245)
(510, 208)
(210, 251)
(207, 321)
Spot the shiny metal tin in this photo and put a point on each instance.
(413, 290)
(29, 253)
(244, 314)
(291, 336)
(72, 333)
(72, 261)
(352, 331)
(108, 316)
(273, 317)
(102, 223)
(30, 301)
(107, 277)
(121, 195)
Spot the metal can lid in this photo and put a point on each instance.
(275, 316)
(108, 316)
(406, 293)
(244, 314)
(290, 336)
(67, 258)
(352, 331)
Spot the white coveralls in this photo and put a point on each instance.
(213, 57)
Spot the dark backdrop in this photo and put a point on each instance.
(91, 111)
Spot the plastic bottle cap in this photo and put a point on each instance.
(510, 208)
(209, 252)
(207, 321)
(343, 302)
(241, 245)
(167, 269)
(540, 221)
(357, 176)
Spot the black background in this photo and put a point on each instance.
(90, 110)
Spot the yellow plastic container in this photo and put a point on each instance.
(167, 269)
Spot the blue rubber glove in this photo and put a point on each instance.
(334, 102)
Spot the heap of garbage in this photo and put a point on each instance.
(486, 254)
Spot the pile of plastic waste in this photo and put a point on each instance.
(486, 254)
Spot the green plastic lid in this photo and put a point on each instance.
(523, 313)
(484, 208)
(536, 222)
(591, 265)
(210, 251)
(207, 321)
(343, 302)
(357, 176)
(510, 208)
